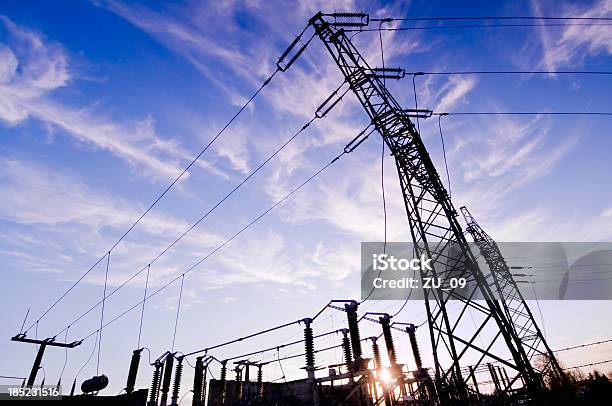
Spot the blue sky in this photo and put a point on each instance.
(102, 103)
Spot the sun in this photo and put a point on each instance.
(385, 376)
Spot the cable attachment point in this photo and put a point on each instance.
(417, 113)
(387, 73)
(329, 103)
(357, 141)
(349, 19)
(282, 64)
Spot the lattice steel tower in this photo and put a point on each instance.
(513, 303)
(434, 229)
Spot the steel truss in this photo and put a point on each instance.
(525, 328)
(435, 232)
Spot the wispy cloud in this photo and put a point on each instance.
(32, 69)
(66, 200)
(504, 155)
(76, 221)
(455, 92)
(569, 46)
(200, 37)
(236, 148)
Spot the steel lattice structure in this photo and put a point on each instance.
(513, 303)
(434, 228)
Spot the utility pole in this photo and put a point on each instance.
(43, 344)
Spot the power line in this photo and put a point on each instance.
(205, 350)
(382, 154)
(65, 358)
(144, 299)
(277, 347)
(583, 345)
(554, 18)
(235, 235)
(93, 350)
(166, 190)
(590, 365)
(318, 114)
(178, 310)
(444, 154)
(442, 27)
(535, 295)
(522, 113)
(102, 313)
(571, 348)
(511, 72)
(382, 171)
(416, 102)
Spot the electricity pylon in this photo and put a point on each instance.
(516, 309)
(433, 225)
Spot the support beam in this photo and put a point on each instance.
(43, 344)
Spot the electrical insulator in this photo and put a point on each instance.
(387, 73)
(346, 348)
(376, 351)
(223, 380)
(168, 363)
(204, 380)
(415, 346)
(353, 325)
(350, 19)
(131, 379)
(259, 382)
(178, 373)
(238, 384)
(378, 366)
(330, 102)
(357, 141)
(386, 328)
(309, 344)
(246, 388)
(198, 382)
(155, 384)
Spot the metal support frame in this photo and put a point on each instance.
(526, 330)
(435, 230)
(43, 344)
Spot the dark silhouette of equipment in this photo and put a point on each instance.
(153, 394)
(500, 318)
(134, 363)
(42, 346)
(525, 328)
(435, 230)
(94, 384)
